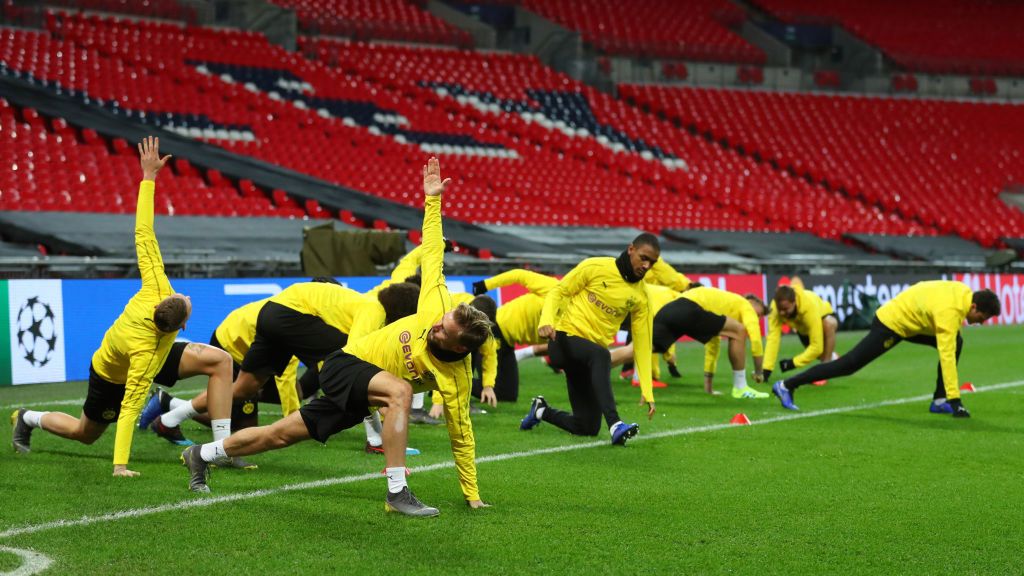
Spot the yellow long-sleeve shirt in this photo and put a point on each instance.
(372, 316)
(810, 309)
(935, 308)
(236, 334)
(591, 302)
(732, 306)
(133, 349)
(663, 274)
(519, 319)
(534, 282)
(334, 304)
(401, 349)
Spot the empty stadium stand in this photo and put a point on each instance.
(939, 163)
(939, 36)
(698, 30)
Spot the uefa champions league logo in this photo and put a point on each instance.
(37, 331)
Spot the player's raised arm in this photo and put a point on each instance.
(151, 264)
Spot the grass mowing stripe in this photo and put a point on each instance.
(209, 501)
(76, 401)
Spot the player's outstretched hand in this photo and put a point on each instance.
(477, 504)
(487, 396)
(149, 157)
(432, 183)
(479, 287)
(546, 332)
(122, 471)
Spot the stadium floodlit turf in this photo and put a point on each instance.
(866, 481)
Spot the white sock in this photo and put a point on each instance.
(178, 403)
(34, 419)
(524, 353)
(835, 356)
(612, 427)
(213, 451)
(372, 425)
(540, 412)
(739, 379)
(178, 415)
(396, 479)
(221, 428)
(417, 401)
(936, 401)
(636, 377)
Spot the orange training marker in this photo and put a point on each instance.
(740, 419)
(967, 387)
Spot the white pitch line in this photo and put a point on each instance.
(32, 562)
(210, 501)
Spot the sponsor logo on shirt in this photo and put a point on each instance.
(602, 306)
(404, 339)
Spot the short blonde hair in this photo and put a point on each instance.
(476, 326)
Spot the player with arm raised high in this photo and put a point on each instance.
(137, 348)
(429, 350)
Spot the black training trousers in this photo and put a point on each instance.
(587, 368)
(879, 340)
(506, 383)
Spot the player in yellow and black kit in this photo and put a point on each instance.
(137, 349)
(929, 313)
(515, 324)
(810, 317)
(580, 318)
(308, 320)
(430, 350)
(706, 314)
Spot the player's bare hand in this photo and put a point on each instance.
(487, 396)
(432, 183)
(477, 504)
(122, 471)
(149, 157)
(759, 377)
(436, 411)
(546, 332)
(650, 410)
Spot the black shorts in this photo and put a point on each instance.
(684, 317)
(282, 333)
(168, 374)
(103, 401)
(345, 381)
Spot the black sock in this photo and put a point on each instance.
(165, 401)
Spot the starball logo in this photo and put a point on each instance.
(404, 339)
(602, 306)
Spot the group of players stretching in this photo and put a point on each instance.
(367, 354)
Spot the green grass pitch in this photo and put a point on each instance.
(871, 487)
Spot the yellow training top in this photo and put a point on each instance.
(663, 274)
(334, 304)
(935, 308)
(592, 301)
(401, 349)
(732, 306)
(133, 349)
(518, 319)
(810, 309)
(236, 334)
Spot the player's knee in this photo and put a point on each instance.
(216, 361)
(399, 394)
